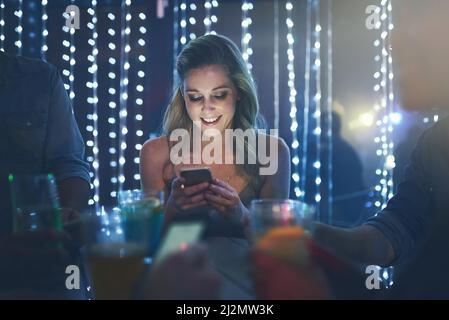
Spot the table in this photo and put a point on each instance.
(230, 258)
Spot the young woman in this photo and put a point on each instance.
(215, 91)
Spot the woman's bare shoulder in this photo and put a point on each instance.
(155, 151)
(156, 146)
(282, 146)
(155, 155)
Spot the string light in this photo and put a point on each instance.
(247, 51)
(292, 99)
(183, 23)
(188, 22)
(428, 118)
(394, 117)
(124, 67)
(69, 58)
(175, 40)
(44, 18)
(305, 131)
(329, 112)
(183, 39)
(93, 101)
(210, 18)
(113, 115)
(2, 25)
(29, 23)
(72, 61)
(312, 111)
(384, 108)
(317, 103)
(19, 29)
(140, 91)
(207, 20)
(192, 20)
(276, 65)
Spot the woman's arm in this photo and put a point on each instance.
(152, 160)
(277, 185)
(364, 244)
(154, 157)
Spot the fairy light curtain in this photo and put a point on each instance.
(104, 80)
(109, 95)
(385, 115)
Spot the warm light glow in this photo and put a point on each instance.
(366, 119)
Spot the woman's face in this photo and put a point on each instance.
(210, 97)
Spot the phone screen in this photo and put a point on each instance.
(196, 175)
(179, 236)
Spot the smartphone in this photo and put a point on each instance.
(179, 237)
(195, 176)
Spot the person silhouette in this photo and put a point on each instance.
(347, 179)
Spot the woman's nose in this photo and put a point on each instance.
(207, 106)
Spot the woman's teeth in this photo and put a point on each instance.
(211, 120)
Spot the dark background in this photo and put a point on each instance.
(354, 157)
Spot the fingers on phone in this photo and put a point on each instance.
(221, 183)
(221, 191)
(193, 201)
(218, 199)
(177, 183)
(193, 205)
(198, 197)
(196, 188)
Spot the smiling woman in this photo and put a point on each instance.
(213, 106)
(216, 93)
(213, 72)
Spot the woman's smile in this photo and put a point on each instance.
(210, 121)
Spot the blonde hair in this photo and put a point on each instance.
(216, 50)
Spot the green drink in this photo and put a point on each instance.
(35, 202)
(37, 217)
(142, 217)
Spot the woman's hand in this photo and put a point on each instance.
(185, 198)
(226, 200)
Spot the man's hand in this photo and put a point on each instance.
(184, 275)
(74, 193)
(69, 215)
(34, 259)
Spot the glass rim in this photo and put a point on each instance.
(277, 201)
(146, 191)
(131, 195)
(14, 176)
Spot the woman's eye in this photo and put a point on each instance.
(195, 98)
(221, 96)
